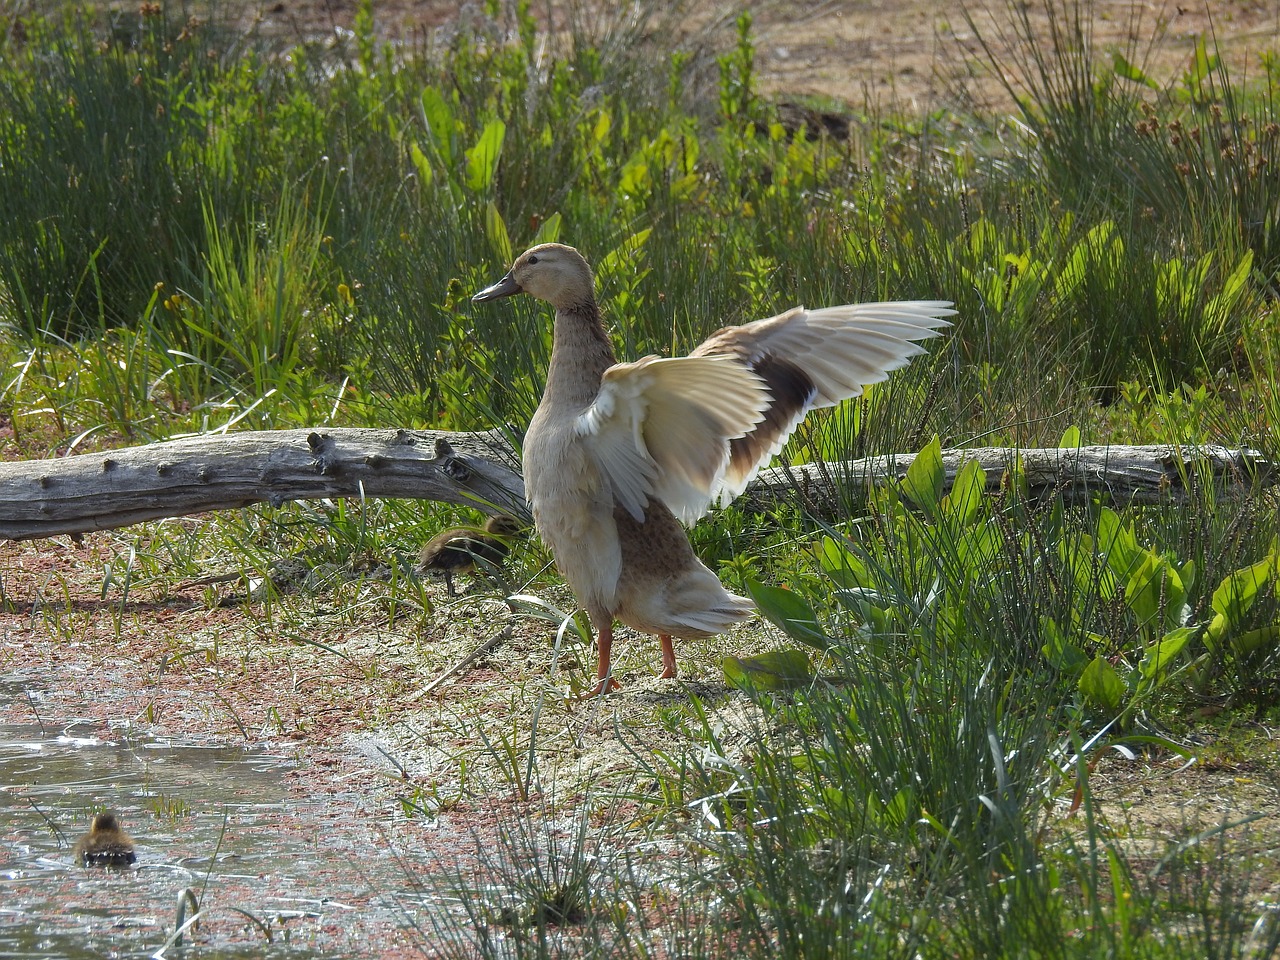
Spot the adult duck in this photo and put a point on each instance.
(619, 455)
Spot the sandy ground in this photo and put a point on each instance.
(913, 54)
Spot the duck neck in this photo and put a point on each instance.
(580, 354)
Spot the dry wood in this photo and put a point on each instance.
(102, 491)
(1160, 473)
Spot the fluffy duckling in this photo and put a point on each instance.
(619, 455)
(105, 845)
(456, 550)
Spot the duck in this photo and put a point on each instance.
(105, 845)
(456, 550)
(619, 457)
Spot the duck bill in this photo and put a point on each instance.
(506, 287)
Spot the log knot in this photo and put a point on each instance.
(456, 470)
(320, 444)
(450, 463)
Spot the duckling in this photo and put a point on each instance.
(456, 550)
(619, 455)
(105, 845)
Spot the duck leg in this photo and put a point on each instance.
(668, 657)
(604, 664)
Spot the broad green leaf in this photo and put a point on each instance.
(1131, 71)
(548, 231)
(1218, 310)
(897, 810)
(865, 602)
(1154, 584)
(1238, 282)
(837, 803)
(1101, 685)
(965, 499)
(421, 164)
(1201, 65)
(1255, 640)
(1100, 247)
(1237, 592)
(925, 477)
(440, 123)
(1092, 576)
(789, 613)
(1214, 632)
(777, 670)
(1188, 574)
(842, 566)
(1119, 546)
(1070, 439)
(1060, 652)
(683, 188)
(982, 238)
(604, 123)
(978, 549)
(1016, 265)
(482, 159)
(496, 230)
(635, 178)
(625, 256)
(1164, 651)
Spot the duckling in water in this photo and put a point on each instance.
(105, 845)
(456, 550)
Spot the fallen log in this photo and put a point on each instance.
(1160, 473)
(103, 491)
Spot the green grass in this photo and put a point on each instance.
(204, 233)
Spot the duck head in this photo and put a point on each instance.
(552, 272)
(503, 525)
(105, 822)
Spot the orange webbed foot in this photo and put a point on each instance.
(602, 687)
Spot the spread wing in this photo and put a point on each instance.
(816, 358)
(662, 428)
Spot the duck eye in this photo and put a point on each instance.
(533, 260)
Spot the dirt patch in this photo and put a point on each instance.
(401, 781)
(913, 55)
(405, 779)
(1162, 805)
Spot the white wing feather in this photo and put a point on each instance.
(661, 428)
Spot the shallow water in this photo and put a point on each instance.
(214, 818)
